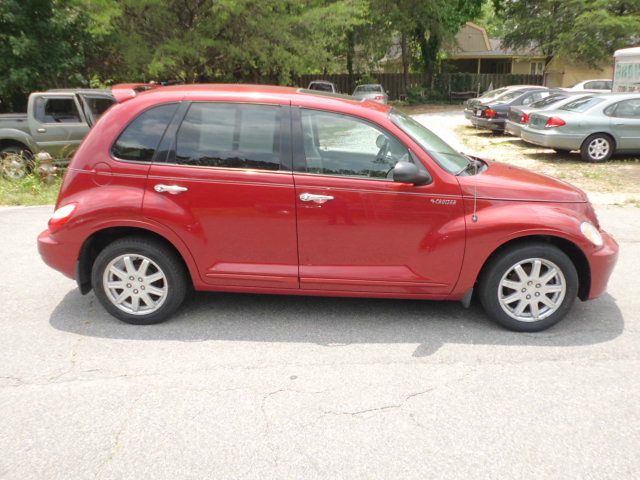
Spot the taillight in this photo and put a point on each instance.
(490, 113)
(555, 122)
(524, 118)
(379, 97)
(61, 216)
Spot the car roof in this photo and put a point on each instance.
(87, 91)
(258, 93)
(321, 81)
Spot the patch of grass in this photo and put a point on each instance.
(28, 191)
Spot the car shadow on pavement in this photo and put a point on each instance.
(336, 322)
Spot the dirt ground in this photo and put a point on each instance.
(620, 176)
(615, 182)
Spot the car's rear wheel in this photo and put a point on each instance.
(529, 287)
(139, 280)
(597, 148)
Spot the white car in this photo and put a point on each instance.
(597, 86)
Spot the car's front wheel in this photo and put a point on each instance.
(139, 280)
(529, 287)
(597, 148)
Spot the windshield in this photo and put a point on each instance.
(446, 156)
(545, 102)
(493, 93)
(583, 104)
(368, 88)
(322, 87)
(507, 97)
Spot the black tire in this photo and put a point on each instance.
(560, 151)
(588, 156)
(489, 285)
(167, 262)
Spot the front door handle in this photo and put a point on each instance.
(172, 189)
(310, 197)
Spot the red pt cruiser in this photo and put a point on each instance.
(279, 190)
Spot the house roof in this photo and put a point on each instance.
(473, 42)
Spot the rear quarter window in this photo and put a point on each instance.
(139, 141)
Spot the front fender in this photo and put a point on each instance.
(502, 222)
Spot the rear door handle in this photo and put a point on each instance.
(41, 130)
(310, 197)
(172, 189)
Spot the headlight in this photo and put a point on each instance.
(592, 233)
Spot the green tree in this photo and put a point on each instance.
(43, 43)
(587, 31)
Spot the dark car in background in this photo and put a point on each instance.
(492, 114)
(472, 103)
(519, 116)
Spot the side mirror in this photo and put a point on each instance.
(407, 172)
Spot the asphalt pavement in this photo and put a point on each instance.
(253, 386)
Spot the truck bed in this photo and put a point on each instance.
(18, 121)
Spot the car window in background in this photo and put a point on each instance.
(368, 88)
(545, 102)
(493, 93)
(230, 135)
(582, 104)
(321, 87)
(141, 138)
(507, 97)
(446, 156)
(57, 110)
(625, 109)
(98, 105)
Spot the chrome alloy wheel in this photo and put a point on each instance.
(532, 290)
(135, 284)
(599, 148)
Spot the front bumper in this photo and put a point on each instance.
(512, 128)
(488, 123)
(551, 138)
(602, 262)
(61, 257)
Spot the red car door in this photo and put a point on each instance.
(223, 188)
(360, 231)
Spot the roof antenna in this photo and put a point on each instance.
(474, 217)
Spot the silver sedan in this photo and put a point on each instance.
(372, 91)
(597, 126)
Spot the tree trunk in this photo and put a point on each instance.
(350, 54)
(405, 62)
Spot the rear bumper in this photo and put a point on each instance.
(602, 263)
(488, 123)
(551, 139)
(61, 257)
(512, 128)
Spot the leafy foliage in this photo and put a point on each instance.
(587, 31)
(42, 43)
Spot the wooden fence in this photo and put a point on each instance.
(445, 83)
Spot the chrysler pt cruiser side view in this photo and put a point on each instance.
(279, 190)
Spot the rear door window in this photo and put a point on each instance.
(139, 141)
(230, 135)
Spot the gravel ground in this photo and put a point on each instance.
(614, 182)
(250, 386)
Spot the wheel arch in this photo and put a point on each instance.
(10, 137)
(95, 243)
(611, 135)
(573, 251)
